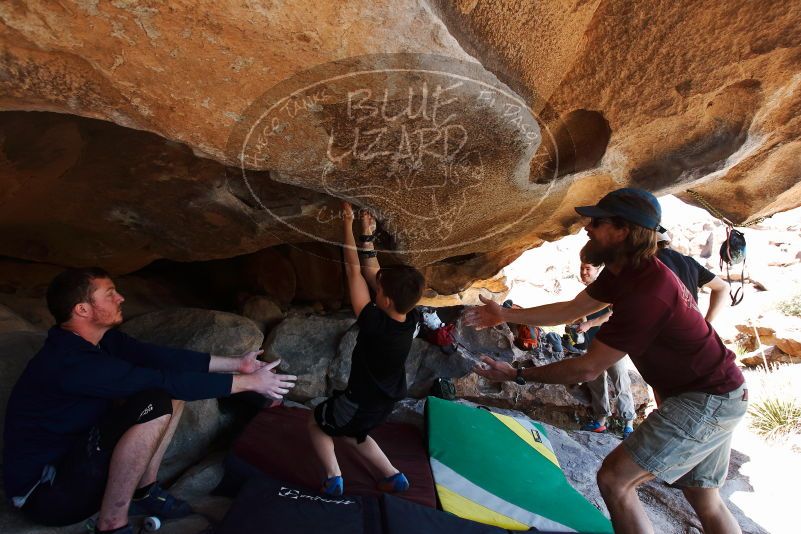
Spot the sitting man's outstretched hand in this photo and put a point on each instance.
(481, 317)
(249, 362)
(265, 380)
(494, 370)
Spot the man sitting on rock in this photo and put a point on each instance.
(378, 369)
(599, 388)
(685, 441)
(90, 418)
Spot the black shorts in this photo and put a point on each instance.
(340, 415)
(80, 481)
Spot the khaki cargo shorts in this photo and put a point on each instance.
(687, 441)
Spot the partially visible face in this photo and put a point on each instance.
(105, 303)
(588, 273)
(604, 240)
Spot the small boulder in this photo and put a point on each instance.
(791, 347)
(262, 310)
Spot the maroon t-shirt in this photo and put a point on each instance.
(657, 322)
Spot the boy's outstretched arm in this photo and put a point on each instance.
(370, 265)
(357, 286)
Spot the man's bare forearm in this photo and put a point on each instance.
(242, 383)
(546, 315)
(223, 364)
(571, 371)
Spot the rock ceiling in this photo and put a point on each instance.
(133, 131)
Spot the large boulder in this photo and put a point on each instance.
(218, 333)
(215, 332)
(554, 403)
(307, 345)
(11, 322)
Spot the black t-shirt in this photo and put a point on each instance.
(691, 273)
(378, 368)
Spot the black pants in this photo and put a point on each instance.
(77, 490)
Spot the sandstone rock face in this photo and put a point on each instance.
(471, 128)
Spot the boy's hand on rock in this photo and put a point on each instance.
(368, 222)
(347, 212)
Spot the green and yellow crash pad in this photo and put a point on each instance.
(502, 471)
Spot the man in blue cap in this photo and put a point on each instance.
(687, 440)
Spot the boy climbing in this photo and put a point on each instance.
(378, 375)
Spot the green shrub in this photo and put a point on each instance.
(776, 418)
(791, 306)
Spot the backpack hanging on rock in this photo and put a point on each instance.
(732, 251)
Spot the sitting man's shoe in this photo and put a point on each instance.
(594, 426)
(334, 486)
(397, 483)
(158, 502)
(628, 431)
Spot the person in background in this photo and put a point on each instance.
(694, 276)
(599, 388)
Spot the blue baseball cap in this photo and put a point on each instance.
(637, 206)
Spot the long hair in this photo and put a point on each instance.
(640, 244)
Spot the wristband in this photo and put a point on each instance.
(368, 253)
(366, 238)
(519, 377)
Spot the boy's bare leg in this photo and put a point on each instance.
(153, 467)
(371, 452)
(323, 445)
(129, 460)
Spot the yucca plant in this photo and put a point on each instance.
(775, 407)
(776, 418)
